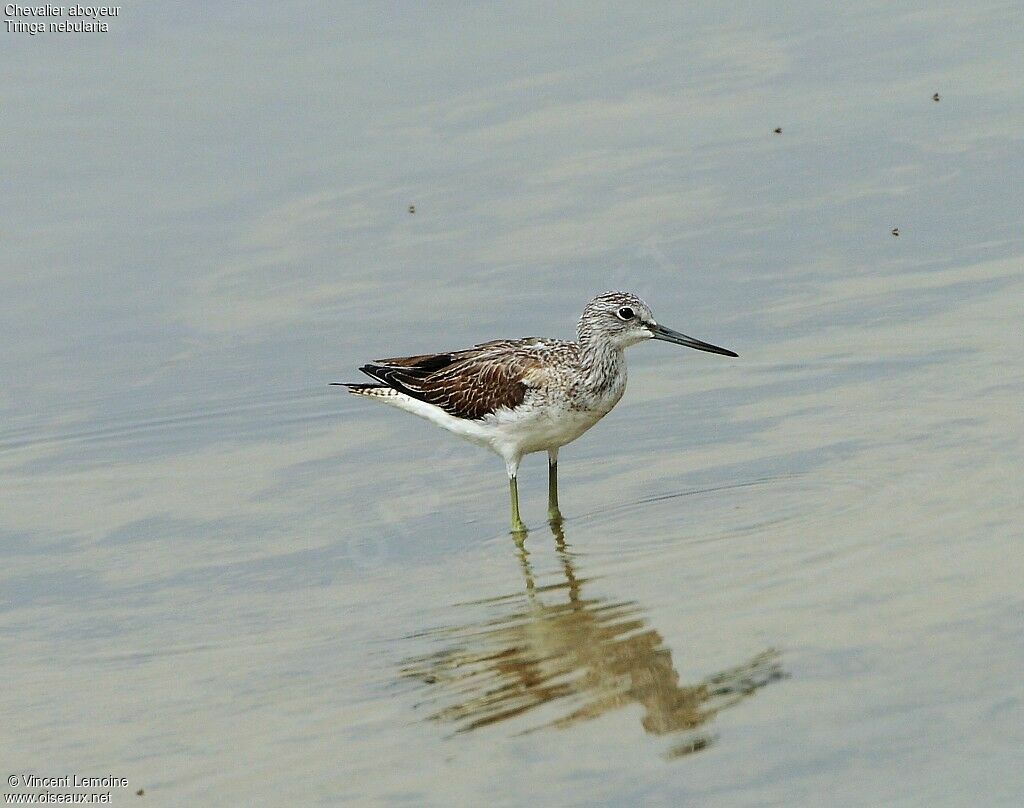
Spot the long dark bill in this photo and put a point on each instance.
(668, 335)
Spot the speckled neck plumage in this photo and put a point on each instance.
(603, 365)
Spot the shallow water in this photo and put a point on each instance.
(794, 577)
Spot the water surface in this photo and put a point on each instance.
(791, 578)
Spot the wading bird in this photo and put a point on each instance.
(527, 395)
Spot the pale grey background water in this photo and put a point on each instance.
(220, 579)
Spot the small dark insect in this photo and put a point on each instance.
(896, 231)
(412, 208)
(935, 97)
(140, 792)
(777, 130)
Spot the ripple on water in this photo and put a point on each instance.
(734, 513)
(228, 417)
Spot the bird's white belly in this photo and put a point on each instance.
(543, 430)
(536, 429)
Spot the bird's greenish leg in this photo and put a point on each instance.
(512, 467)
(554, 515)
(513, 490)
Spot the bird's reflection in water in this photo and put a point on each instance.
(583, 657)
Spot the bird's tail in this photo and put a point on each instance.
(375, 390)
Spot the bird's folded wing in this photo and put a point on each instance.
(465, 384)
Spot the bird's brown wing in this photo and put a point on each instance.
(466, 384)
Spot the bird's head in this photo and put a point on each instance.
(621, 319)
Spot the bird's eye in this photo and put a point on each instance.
(626, 313)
